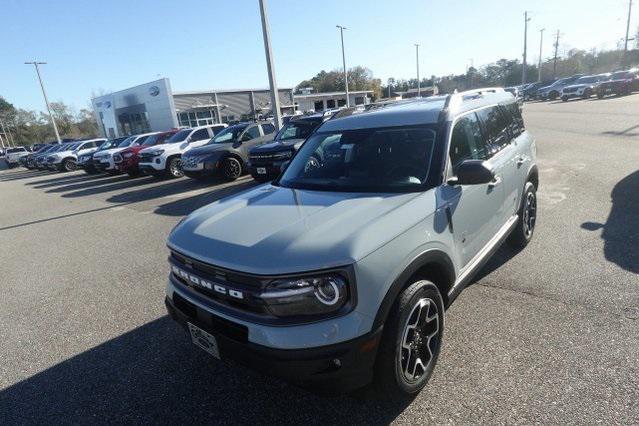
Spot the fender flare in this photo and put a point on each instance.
(429, 257)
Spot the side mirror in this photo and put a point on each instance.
(245, 137)
(284, 165)
(472, 172)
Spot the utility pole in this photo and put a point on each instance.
(46, 101)
(419, 89)
(275, 97)
(625, 45)
(523, 69)
(6, 135)
(554, 65)
(541, 43)
(341, 32)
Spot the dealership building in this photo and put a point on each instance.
(154, 106)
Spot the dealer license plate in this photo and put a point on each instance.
(261, 170)
(204, 340)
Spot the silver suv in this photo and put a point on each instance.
(339, 272)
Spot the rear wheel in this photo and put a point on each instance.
(600, 95)
(523, 232)
(231, 168)
(411, 341)
(564, 98)
(587, 94)
(174, 168)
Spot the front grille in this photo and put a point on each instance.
(570, 89)
(249, 286)
(146, 158)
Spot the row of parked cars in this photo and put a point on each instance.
(617, 83)
(199, 152)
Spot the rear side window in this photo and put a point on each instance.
(517, 124)
(467, 142)
(254, 132)
(201, 134)
(268, 128)
(496, 125)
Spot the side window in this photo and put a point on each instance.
(199, 135)
(467, 142)
(268, 128)
(496, 125)
(253, 132)
(517, 125)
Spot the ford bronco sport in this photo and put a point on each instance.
(338, 273)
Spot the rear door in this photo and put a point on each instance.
(473, 210)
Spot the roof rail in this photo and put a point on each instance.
(471, 94)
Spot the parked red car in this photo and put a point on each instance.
(127, 160)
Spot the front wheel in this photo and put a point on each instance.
(600, 95)
(523, 232)
(174, 168)
(411, 341)
(68, 165)
(564, 98)
(231, 168)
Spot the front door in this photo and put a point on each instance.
(473, 210)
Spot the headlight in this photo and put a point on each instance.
(127, 155)
(282, 155)
(306, 296)
(156, 153)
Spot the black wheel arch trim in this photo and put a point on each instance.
(428, 257)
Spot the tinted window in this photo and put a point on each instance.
(467, 142)
(298, 129)
(13, 150)
(268, 128)
(517, 123)
(229, 134)
(201, 134)
(253, 132)
(496, 124)
(179, 136)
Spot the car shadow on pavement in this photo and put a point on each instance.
(91, 183)
(66, 179)
(154, 375)
(11, 175)
(183, 207)
(626, 132)
(121, 182)
(621, 230)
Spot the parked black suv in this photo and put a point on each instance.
(265, 160)
(620, 83)
(226, 154)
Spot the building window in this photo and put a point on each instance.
(319, 105)
(330, 103)
(341, 102)
(359, 100)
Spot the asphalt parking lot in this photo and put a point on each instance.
(548, 335)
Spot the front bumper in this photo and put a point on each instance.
(339, 367)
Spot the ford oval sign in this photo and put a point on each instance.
(154, 90)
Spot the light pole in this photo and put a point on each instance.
(275, 98)
(419, 91)
(625, 45)
(341, 32)
(46, 101)
(541, 43)
(523, 69)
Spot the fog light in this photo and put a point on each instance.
(157, 161)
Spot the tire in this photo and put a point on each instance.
(600, 95)
(173, 168)
(587, 94)
(553, 95)
(525, 229)
(231, 168)
(133, 174)
(397, 370)
(67, 165)
(564, 98)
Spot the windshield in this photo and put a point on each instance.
(229, 134)
(297, 129)
(74, 146)
(379, 160)
(620, 75)
(128, 141)
(587, 80)
(179, 136)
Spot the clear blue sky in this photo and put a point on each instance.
(94, 45)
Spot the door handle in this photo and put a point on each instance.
(521, 161)
(493, 183)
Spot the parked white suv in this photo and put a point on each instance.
(65, 161)
(12, 155)
(103, 160)
(164, 159)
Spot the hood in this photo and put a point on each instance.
(62, 153)
(578, 86)
(177, 146)
(275, 230)
(208, 149)
(278, 145)
(88, 152)
(133, 149)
